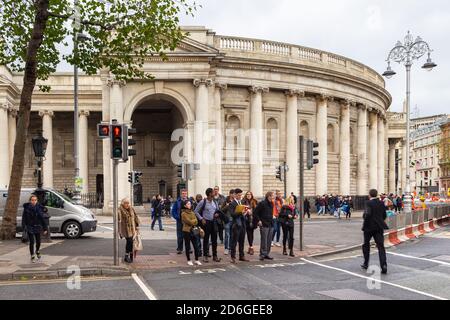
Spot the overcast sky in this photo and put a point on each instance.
(363, 30)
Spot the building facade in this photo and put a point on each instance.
(232, 86)
(444, 159)
(424, 146)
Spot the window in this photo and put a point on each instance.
(304, 129)
(98, 153)
(330, 138)
(232, 127)
(272, 135)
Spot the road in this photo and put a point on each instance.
(418, 270)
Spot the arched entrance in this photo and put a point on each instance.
(156, 117)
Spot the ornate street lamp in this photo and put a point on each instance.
(406, 53)
(39, 148)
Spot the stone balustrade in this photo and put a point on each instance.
(303, 54)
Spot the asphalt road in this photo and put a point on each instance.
(418, 270)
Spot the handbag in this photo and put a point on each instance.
(137, 242)
(25, 236)
(198, 232)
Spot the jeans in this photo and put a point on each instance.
(227, 241)
(379, 240)
(34, 238)
(276, 230)
(159, 222)
(220, 228)
(266, 239)
(129, 245)
(250, 236)
(321, 210)
(210, 231)
(179, 235)
(288, 235)
(188, 238)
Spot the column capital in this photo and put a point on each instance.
(347, 102)
(294, 93)
(361, 106)
(221, 86)
(85, 113)
(6, 106)
(258, 89)
(324, 97)
(110, 82)
(49, 113)
(206, 82)
(13, 112)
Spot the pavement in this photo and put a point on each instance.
(417, 270)
(93, 252)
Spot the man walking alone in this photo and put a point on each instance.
(373, 227)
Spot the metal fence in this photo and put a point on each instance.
(92, 200)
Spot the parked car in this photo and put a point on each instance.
(66, 217)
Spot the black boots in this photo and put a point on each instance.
(284, 251)
(128, 258)
(291, 253)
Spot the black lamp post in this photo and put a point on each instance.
(39, 148)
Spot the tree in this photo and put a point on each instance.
(121, 33)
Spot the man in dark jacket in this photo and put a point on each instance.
(237, 226)
(373, 227)
(176, 214)
(264, 216)
(33, 223)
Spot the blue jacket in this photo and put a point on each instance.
(33, 218)
(176, 210)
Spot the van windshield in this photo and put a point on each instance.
(66, 198)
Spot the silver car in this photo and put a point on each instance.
(65, 216)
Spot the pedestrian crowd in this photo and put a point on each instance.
(334, 205)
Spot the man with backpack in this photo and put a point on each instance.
(207, 211)
(176, 214)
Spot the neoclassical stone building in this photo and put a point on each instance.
(223, 83)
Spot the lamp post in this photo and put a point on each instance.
(406, 53)
(39, 149)
(76, 194)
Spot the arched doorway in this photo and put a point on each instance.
(155, 119)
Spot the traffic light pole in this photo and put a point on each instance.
(301, 198)
(284, 178)
(115, 212)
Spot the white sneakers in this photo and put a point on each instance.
(196, 262)
(190, 263)
(226, 252)
(278, 244)
(273, 243)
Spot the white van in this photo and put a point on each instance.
(65, 216)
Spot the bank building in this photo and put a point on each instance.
(227, 84)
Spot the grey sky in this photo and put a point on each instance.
(363, 30)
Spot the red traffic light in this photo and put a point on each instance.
(117, 131)
(103, 130)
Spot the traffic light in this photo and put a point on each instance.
(311, 153)
(131, 177)
(180, 170)
(137, 177)
(279, 176)
(103, 131)
(128, 141)
(116, 142)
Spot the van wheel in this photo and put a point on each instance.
(72, 230)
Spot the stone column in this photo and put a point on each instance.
(256, 141)
(47, 128)
(321, 134)
(202, 179)
(84, 149)
(391, 172)
(362, 151)
(373, 154)
(292, 181)
(404, 164)
(107, 172)
(4, 146)
(218, 155)
(381, 155)
(12, 126)
(344, 178)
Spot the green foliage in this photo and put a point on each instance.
(121, 33)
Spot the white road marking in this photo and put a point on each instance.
(418, 258)
(107, 228)
(376, 280)
(143, 287)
